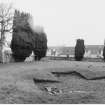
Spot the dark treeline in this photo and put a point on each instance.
(25, 39)
(80, 50)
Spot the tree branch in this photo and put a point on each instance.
(8, 30)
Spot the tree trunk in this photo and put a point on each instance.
(1, 52)
(2, 43)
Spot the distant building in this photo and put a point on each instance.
(94, 51)
(91, 51)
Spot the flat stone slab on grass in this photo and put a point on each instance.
(86, 73)
(40, 76)
(91, 74)
(45, 77)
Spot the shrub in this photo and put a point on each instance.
(40, 48)
(104, 53)
(25, 39)
(79, 50)
(21, 41)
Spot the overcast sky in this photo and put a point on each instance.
(64, 21)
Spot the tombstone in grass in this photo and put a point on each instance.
(79, 50)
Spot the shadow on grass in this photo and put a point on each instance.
(77, 74)
(45, 81)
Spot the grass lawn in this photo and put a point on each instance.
(34, 82)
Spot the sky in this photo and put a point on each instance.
(64, 21)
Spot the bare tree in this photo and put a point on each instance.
(6, 17)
